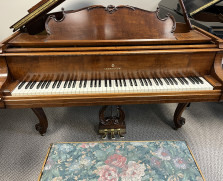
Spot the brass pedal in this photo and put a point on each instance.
(119, 133)
(112, 132)
(104, 136)
(113, 135)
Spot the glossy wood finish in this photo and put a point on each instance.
(87, 27)
(111, 48)
(83, 46)
(3, 79)
(186, 18)
(216, 39)
(42, 126)
(4, 43)
(26, 40)
(111, 99)
(111, 64)
(178, 120)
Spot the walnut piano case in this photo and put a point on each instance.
(108, 44)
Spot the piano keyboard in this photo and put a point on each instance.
(111, 86)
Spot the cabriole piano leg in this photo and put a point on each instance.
(43, 123)
(178, 120)
(113, 124)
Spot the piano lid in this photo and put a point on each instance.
(36, 11)
(195, 6)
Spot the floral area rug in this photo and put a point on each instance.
(121, 161)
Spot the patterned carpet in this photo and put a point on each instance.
(23, 150)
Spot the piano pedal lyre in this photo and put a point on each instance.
(112, 125)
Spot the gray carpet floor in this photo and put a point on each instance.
(23, 150)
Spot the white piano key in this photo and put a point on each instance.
(207, 85)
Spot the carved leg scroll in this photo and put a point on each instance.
(178, 120)
(113, 124)
(43, 123)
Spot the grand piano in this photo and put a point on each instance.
(109, 56)
(206, 14)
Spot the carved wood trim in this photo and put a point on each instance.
(112, 120)
(166, 17)
(43, 123)
(178, 120)
(111, 8)
(53, 17)
(86, 25)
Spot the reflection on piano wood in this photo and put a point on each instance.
(94, 56)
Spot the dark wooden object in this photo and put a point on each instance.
(113, 124)
(186, 18)
(178, 120)
(108, 43)
(43, 123)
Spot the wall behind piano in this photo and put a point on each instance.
(11, 11)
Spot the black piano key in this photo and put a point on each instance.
(156, 82)
(166, 80)
(181, 81)
(33, 84)
(54, 84)
(135, 83)
(99, 84)
(174, 80)
(39, 84)
(195, 80)
(120, 82)
(186, 82)
(199, 80)
(59, 84)
(48, 84)
(170, 80)
(43, 84)
(95, 83)
(65, 84)
(91, 83)
(106, 83)
(124, 81)
(149, 81)
(160, 81)
(74, 83)
(69, 84)
(80, 84)
(21, 84)
(110, 83)
(141, 82)
(85, 83)
(28, 84)
(191, 80)
(130, 81)
(145, 82)
(116, 82)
